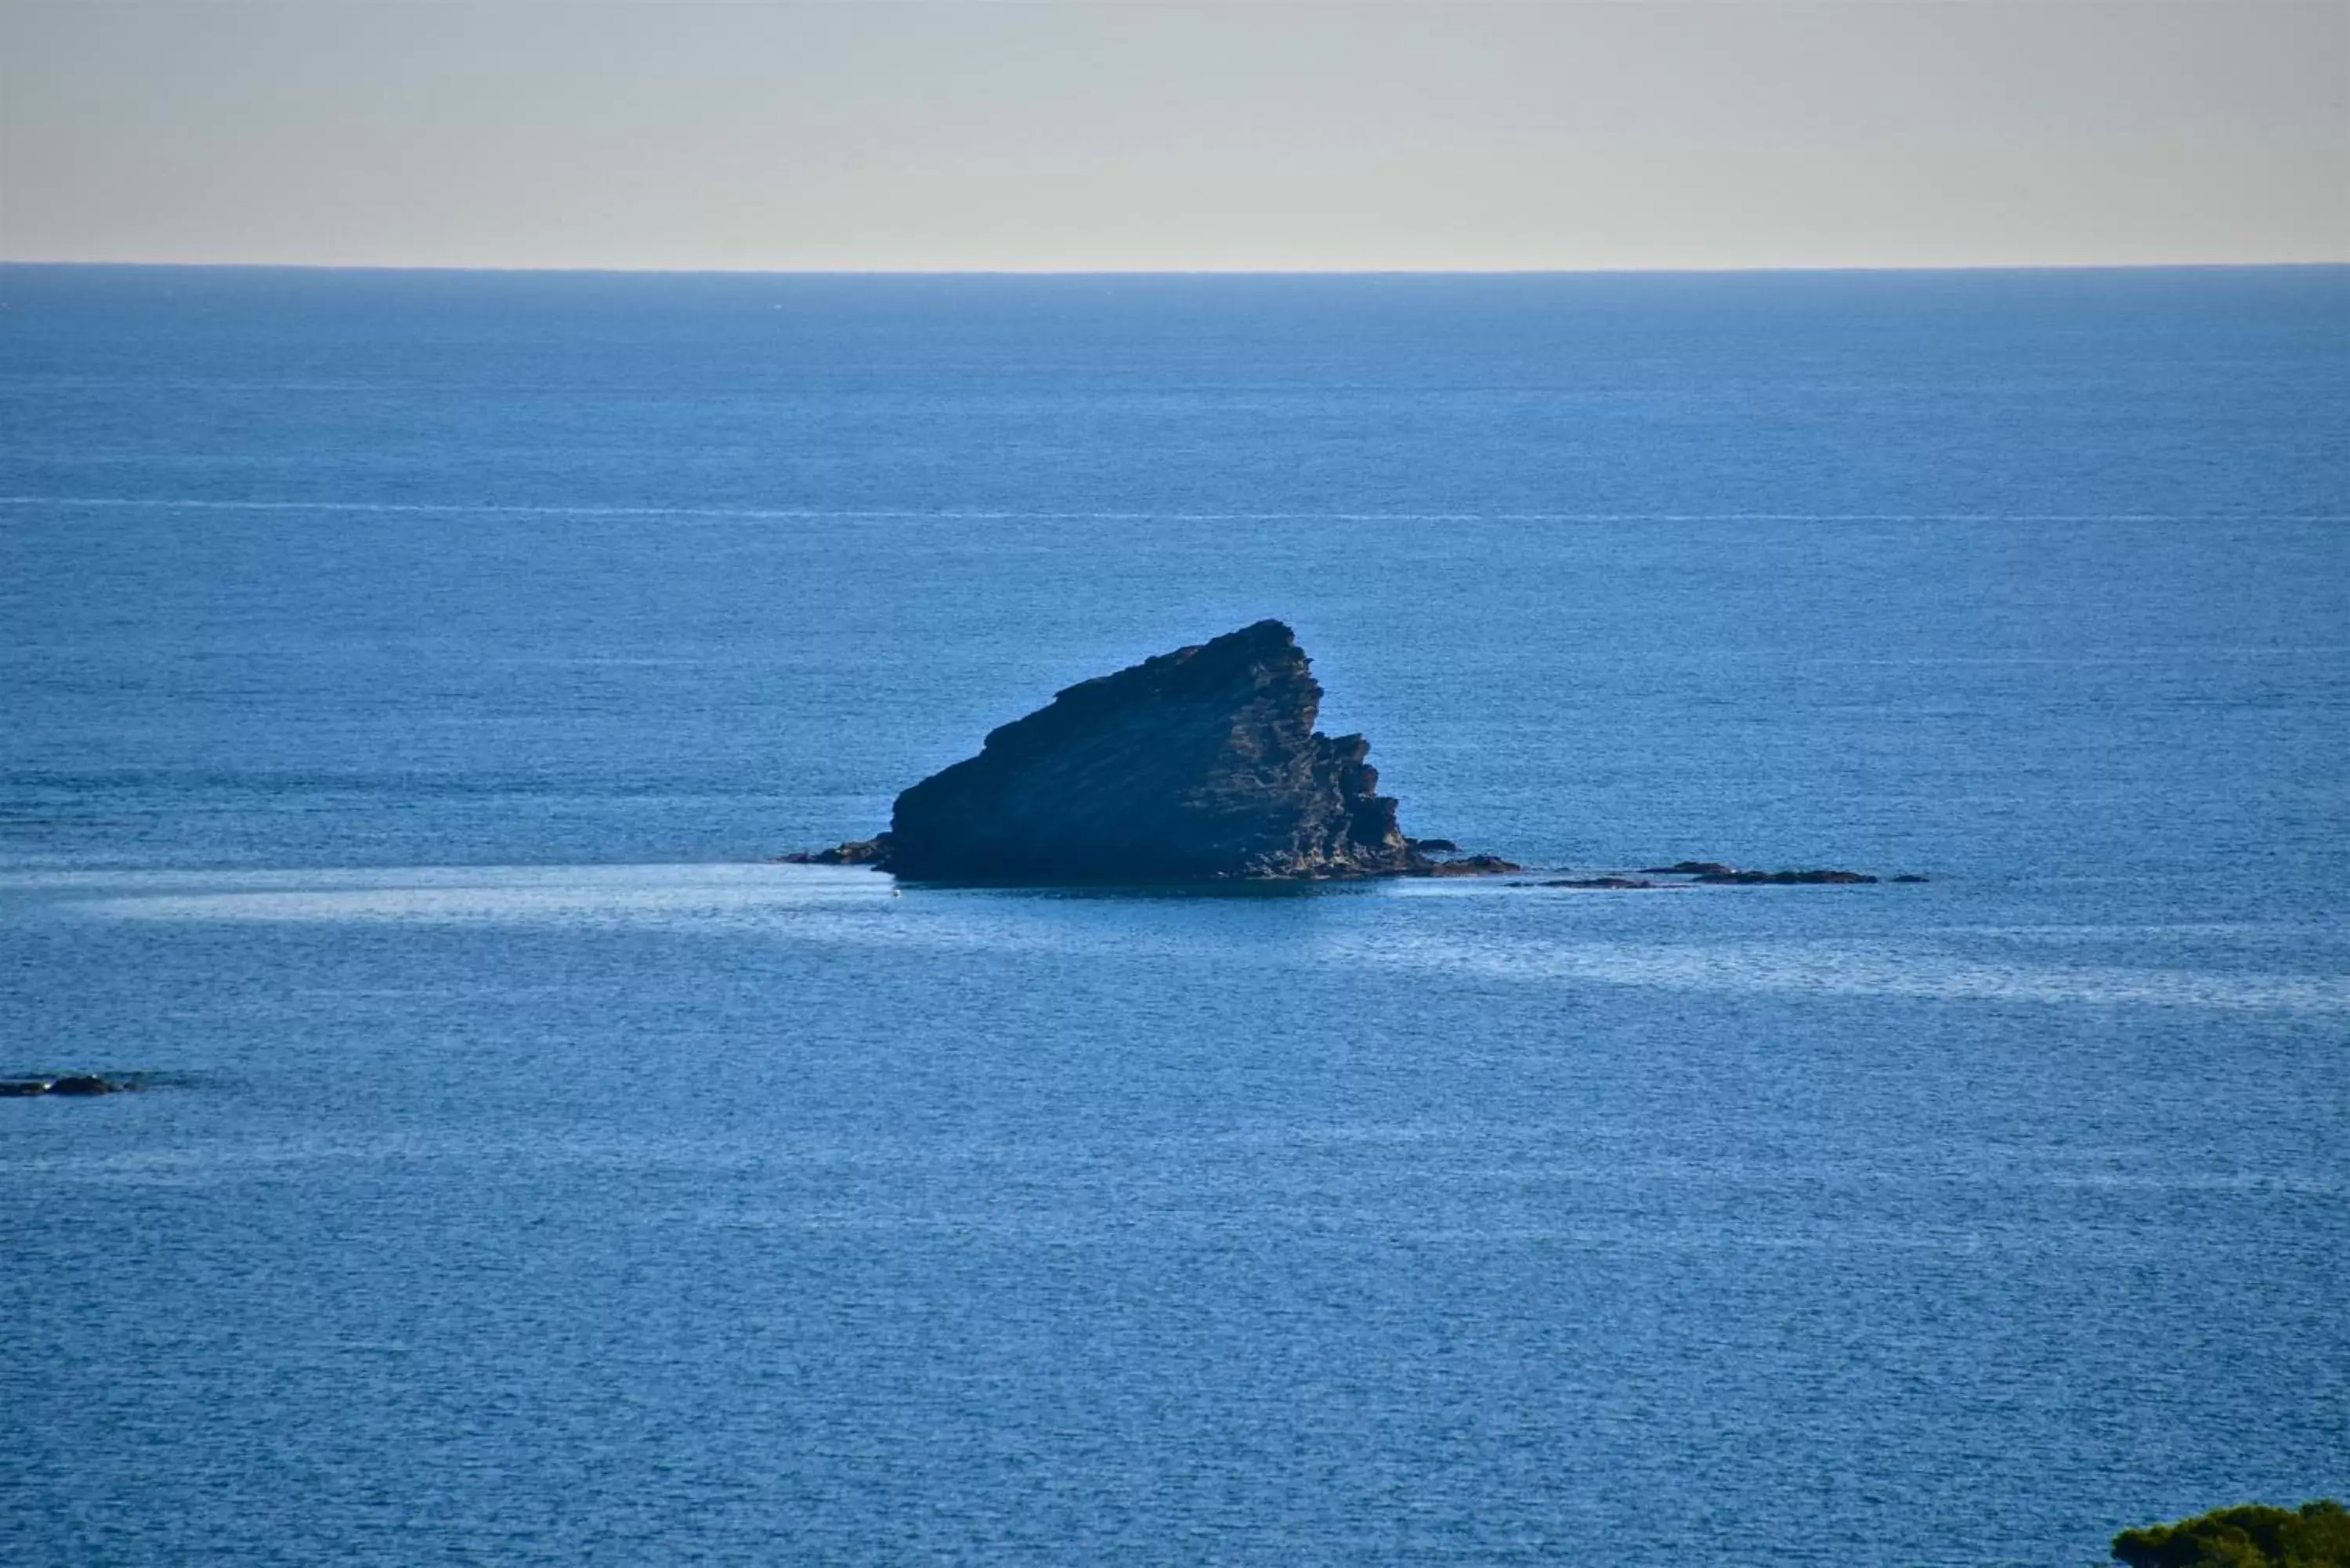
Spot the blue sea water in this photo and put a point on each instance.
(403, 679)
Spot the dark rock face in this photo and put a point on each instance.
(1199, 765)
(1606, 884)
(1202, 764)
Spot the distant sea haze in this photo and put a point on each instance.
(408, 678)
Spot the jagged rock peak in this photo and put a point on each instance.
(1199, 764)
(1202, 764)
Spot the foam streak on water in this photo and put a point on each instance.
(815, 904)
(1868, 968)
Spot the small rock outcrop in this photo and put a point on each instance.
(1198, 765)
(69, 1085)
(1466, 866)
(856, 852)
(1715, 874)
(1780, 878)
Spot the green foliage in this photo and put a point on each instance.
(2256, 1536)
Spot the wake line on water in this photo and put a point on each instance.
(859, 909)
(808, 515)
(1854, 971)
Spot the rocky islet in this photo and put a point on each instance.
(1198, 765)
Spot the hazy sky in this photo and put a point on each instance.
(1122, 134)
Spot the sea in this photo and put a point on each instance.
(407, 681)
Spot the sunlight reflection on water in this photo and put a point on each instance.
(825, 904)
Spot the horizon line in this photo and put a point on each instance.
(1823, 268)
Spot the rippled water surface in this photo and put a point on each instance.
(403, 679)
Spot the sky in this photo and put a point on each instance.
(1117, 135)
